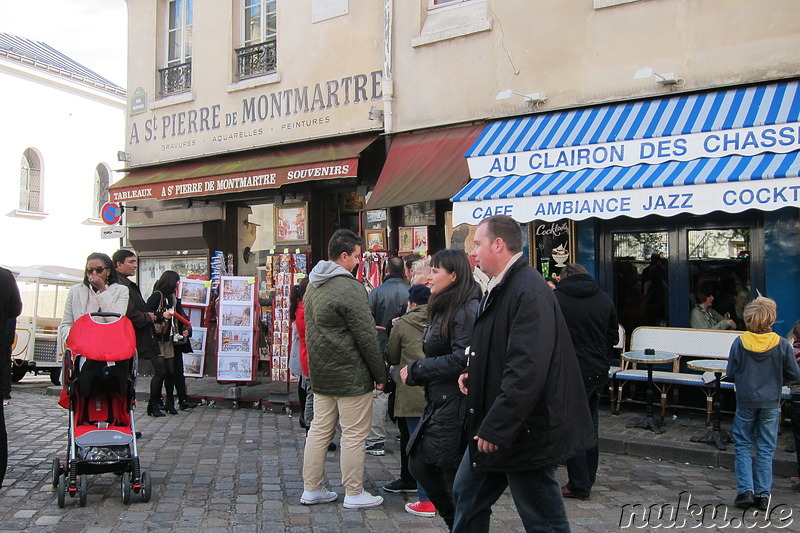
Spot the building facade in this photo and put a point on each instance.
(358, 114)
(58, 153)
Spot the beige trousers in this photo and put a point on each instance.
(354, 414)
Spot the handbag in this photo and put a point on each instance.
(161, 325)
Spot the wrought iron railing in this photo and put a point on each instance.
(258, 59)
(176, 79)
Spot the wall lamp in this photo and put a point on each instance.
(123, 156)
(375, 113)
(669, 79)
(533, 99)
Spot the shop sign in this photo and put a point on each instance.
(731, 197)
(781, 138)
(246, 181)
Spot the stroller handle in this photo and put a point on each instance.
(106, 314)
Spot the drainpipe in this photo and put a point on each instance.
(388, 83)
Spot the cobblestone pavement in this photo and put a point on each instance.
(220, 469)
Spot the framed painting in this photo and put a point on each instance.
(406, 240)
(291, 224)
(376, 239)
(194, 292)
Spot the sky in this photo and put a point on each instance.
(92, 32)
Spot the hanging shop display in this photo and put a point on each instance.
(236, 359)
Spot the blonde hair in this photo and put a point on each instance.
(420, 271)
(760, 315)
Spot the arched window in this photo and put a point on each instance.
(30, 182)
(101, 181)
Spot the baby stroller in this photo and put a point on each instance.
(99, 391)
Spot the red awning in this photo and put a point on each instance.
(262, 169)
(424, 166)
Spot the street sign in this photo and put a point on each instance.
(112, 232)
(111, 213)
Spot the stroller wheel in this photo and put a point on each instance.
(62, 490)
(125, 487)
(56, 471)
(146, 486)
(83, 491)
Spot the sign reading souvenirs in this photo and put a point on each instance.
(731, 197)
(782, 138)
(246, 181)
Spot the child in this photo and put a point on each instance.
(794, 337)
(760, 362)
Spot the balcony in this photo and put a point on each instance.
(176, 79)
(257, 59)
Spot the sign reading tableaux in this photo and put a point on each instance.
(245, 181)
(780, 138)
(327, 9)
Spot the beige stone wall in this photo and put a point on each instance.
(341, 58)
(579, 55)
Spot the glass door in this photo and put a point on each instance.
(640, 270)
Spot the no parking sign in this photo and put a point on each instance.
(111, 213)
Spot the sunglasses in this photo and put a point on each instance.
(96, 270)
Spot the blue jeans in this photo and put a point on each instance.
(759, 427)
(536, 493)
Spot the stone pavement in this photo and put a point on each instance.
(238, 470)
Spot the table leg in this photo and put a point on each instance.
(715, 435)
(649, 421)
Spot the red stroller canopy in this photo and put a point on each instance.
(99, 341)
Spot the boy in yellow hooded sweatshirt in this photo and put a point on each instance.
(760, 362)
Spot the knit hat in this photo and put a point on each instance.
(419, 294)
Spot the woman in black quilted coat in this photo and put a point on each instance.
(436, 447)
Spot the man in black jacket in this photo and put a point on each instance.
(594, 329)
(526, 407)
(10, 308)
(140, 316)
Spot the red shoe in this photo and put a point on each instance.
(421, 509)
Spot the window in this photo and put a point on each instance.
(101, 180)
(258, 56)
(177, 76)
(449, 19)
(30, 183)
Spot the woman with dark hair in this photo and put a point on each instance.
(704, 317)
(99, 292)
(435, 448)
(168, 366)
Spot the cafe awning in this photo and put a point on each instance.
(267, 168)
(424, 166)
(728, 150)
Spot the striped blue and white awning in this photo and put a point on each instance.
(618, 159)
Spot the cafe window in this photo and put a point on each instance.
(719, 266)
(641, 290)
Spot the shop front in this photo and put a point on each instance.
(409, 208)
(663, 199)
(265, 212)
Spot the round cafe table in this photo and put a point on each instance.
(715, 435)
(649, 358)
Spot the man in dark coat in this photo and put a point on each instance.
(10, 307)
(384, 301)
(140, 316)
(526, 407)
(594, 329)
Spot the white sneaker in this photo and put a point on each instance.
(362, 501)
(313, 497)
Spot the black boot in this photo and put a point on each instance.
(170, 406)
(186, 403)
(153, 410)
